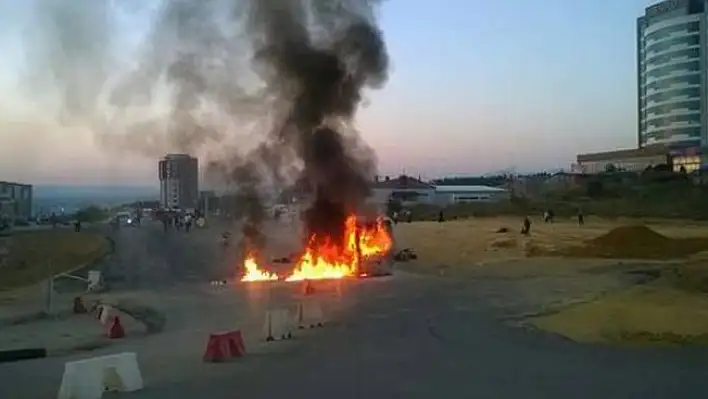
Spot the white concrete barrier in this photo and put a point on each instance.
(89, 378)
(107, 312)
(309, 314)
(279, 324)
(95, 280)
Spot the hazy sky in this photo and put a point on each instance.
(477, 86)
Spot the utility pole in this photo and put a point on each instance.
(50, 289)
(206, 206)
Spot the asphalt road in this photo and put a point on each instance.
(149, 257)
(401, 337)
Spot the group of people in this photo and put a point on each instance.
(178, 220)
(404, 215)
(548, 217)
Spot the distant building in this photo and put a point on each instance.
(15, 201)
(631, 160)
(672, 82)
(408, 190)
(179, 181)
(672, 74)
(411, 191)
(448, 195)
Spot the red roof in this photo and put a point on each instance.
(403, 182)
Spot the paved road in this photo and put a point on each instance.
(148, 257)
(404, 337)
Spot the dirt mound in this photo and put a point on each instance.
(636, 242)
(629, 234)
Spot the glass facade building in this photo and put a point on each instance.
(671, 74)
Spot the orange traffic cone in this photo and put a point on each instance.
(116, 330)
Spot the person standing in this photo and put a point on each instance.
(187, 222)
(526, 226)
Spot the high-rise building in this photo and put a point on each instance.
(672, 73)
(179, 181)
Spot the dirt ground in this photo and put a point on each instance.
(589, 300)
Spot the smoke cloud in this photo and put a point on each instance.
(267, 89)
(319, 55)
(68, 55)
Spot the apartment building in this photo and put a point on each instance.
(15, 201)
(179, 181)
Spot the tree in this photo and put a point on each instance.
(610, 168)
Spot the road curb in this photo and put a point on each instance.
(153, 320)
(15, 355)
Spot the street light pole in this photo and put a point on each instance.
(50, 289)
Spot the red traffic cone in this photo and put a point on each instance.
(215, 350)
(116, 330)
(224, 346)
(79, 307)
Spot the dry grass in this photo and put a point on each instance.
(473, 246)
(651, 314)
(32, 256)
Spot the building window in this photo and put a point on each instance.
(674, 55)
(691, 105)
(667, 83)
(691, 66)
(663, 33)
(689, 163)
(690, 92)
(673, 119)
(692, 40)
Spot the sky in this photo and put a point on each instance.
(476, 87)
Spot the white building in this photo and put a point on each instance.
(408, 190)
(412, 191)
(672, 73)
(448, 195)
(179, 181)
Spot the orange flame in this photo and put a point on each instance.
(325, 259)
(254, 273)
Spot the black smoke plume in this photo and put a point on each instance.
(320, 55)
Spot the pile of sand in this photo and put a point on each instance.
(636, 242)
